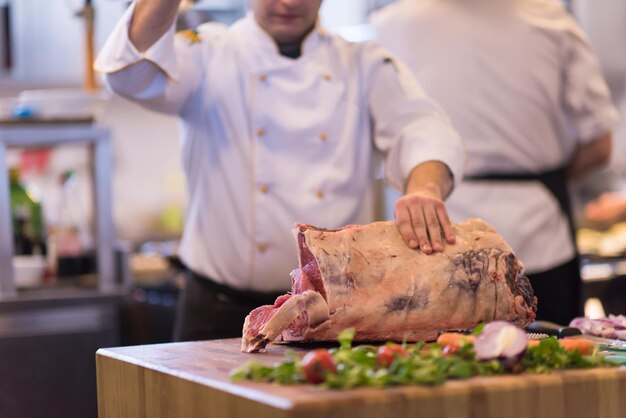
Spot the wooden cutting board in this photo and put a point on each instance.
(189, 380)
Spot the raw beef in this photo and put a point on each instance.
(366, 277)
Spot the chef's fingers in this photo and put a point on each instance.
(419, 226)
(403, 220)
(446, 225)
(433, 227)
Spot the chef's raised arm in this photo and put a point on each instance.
(424, 155)
(145, 61)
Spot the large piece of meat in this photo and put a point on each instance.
(366, 277)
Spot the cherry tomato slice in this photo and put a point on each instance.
(317, 364)
(387, 354)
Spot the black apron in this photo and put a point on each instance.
(558, 289)
(554, 180)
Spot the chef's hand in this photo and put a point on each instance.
(421, 215)
(607, 209)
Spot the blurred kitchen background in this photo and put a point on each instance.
(98, 196)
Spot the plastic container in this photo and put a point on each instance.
(29, 270)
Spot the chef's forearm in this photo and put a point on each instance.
(591, 156)
(151, 19)
(433, 176)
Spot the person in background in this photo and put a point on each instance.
(522, 85)
(281, 122)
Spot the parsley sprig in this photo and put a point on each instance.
(426, 364)
(550, 355)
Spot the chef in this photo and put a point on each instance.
(281, 122)
(522, 85)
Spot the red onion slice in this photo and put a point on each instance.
(500, 340)
(611, 327)
(619, 321)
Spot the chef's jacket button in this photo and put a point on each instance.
(327, 77)
(323, 137)
(260, 132)
(262, 77)
(264, 188)
(320, 193)
(261, 247)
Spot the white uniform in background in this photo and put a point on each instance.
(521, 84)
(269, 141)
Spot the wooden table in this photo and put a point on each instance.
(189, 380)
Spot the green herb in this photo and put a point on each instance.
(478, 329)
(345, 338)
(424, 365)
(287, 372)
(550, 355)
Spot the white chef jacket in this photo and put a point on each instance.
(269, 141)
(521, 84)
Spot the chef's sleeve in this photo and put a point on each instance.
(163, 77)
(586, 97)
(408, 127)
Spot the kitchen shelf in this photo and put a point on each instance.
(32, 134)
